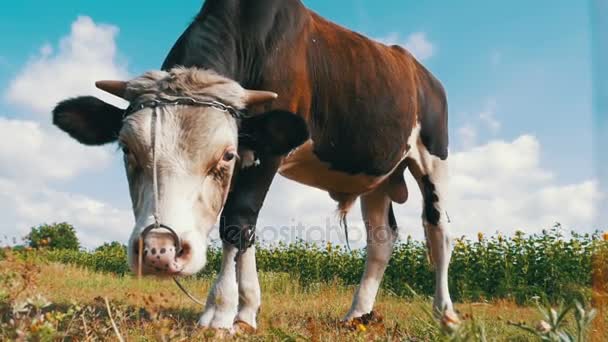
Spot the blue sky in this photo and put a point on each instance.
(518, 76)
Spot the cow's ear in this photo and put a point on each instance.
(276, 132)
(89, 120)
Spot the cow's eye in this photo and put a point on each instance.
(229, 156)
(128, 156)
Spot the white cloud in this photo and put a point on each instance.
(467, 135)
(33, 154)
(295, 211)
(26, 205)
(29, 151)
(417, 43)
(488, 116)
(420, 46)
(502, 186)
(499, 186)
(484, 121)
(86, 55)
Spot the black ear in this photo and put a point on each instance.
(89, 120)
(276, 132)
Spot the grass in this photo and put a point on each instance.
(549, 265)
(49, 301)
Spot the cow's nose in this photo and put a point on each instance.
(161, 254)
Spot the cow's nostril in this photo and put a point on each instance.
(185, 252)
(163, 250)
(153, 251)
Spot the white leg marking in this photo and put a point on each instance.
(439, 237)
(431, 173)
(380, 241)
(222, 302)
(250, 296)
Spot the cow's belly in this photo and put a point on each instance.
(303, 166)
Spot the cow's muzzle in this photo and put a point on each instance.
(162, 251)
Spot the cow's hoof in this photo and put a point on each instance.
(450, 321)
(243, 328)
(218, 334)
(372, 319)
(215, 320)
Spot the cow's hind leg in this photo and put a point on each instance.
(431, 174)
(380, 225)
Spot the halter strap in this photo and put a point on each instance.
(157, 222)
(185, 101)
(156, 105)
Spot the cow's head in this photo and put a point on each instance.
(193, 148)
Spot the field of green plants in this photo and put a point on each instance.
(522, 268)
(51, 290)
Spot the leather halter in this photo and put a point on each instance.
(185, 101)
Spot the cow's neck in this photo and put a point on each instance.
(234, 37)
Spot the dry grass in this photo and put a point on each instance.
(154, 309)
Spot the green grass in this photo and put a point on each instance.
(61, 294)
(50, 301)
(519, 268)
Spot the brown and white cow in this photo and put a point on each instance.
(353, 113)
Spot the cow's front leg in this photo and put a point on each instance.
(235, 293)
(240, 279)
(380, 224)
(250, 296)
(223, 299)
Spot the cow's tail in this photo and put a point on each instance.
(344, 225)
(345, 203)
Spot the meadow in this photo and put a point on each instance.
(496, 281)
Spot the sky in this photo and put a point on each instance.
(518, 74)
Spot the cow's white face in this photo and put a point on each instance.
(193, 150)
(196, 152)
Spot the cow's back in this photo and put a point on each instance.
(364, 99)
(361, 99)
